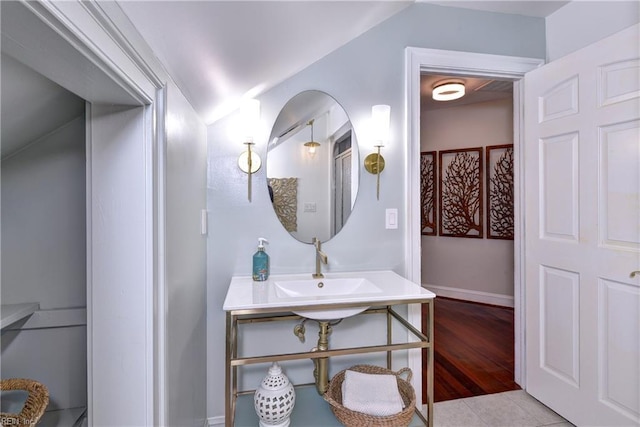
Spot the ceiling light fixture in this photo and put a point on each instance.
(448, 91)
(311, 145)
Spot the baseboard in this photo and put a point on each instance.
(214, 421)
(469, 295)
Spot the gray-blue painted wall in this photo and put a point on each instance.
(366, 71)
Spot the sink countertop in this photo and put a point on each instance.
(245, 294)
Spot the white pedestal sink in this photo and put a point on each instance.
(336, 296)
(330, 289)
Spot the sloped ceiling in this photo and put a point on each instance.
(218, 52)
(31, 106)
(221, 51)
(539, 8)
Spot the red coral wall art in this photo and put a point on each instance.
(428, 168)
(461, 192)
(500, 192)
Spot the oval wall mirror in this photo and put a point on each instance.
(312, 166)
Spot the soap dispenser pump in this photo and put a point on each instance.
(261, 262)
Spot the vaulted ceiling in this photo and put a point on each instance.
(221, 51)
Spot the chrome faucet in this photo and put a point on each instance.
(320, 257)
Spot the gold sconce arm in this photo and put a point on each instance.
(249, 162)
(374, 164)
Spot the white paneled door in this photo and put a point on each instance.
(582, 197)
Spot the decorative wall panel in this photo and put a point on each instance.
(461, 191)
(428, 188)
(500, 192)
(560, 328)
(285, 201)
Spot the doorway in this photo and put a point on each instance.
(467, 234)
(120, 212)
(44, 237)
(417, 62)
(342, 165)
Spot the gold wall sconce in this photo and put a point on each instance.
(249, 161)
(374, 162)
(311, 145)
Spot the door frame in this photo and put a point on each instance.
(417, 61)
(93, 51)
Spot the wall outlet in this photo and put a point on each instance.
(310, 207)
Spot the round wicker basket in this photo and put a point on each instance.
(350, 418)
(35, 405)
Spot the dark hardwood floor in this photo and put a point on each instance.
(474, 349)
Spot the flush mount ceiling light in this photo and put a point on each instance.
(448, 91)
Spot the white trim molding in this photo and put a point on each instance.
(421, 60)
(471, 295)
(90, 50)
(214, 421)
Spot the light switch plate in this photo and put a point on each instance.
(204, 222)
(391, 219)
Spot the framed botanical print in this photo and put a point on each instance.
(500, 191)
(461, 192)
(428, 170)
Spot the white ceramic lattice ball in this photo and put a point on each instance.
(274, 399)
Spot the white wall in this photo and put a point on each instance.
(43, 260)
(185, 250)
(367, 71)
(580, 23)
(480, 265)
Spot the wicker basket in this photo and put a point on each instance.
(34, 406)
(350, 418)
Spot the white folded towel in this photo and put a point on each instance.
(371, 394)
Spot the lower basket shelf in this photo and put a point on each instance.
(311, 410)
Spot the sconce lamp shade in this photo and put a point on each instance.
(374, 162)
(380, 118)
(249, 161)
(250, 118)
(448, 91)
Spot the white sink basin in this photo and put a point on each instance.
(299, 293)
(331, 289)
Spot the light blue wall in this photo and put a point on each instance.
(580, 23)
(185, 164)
(368, 70)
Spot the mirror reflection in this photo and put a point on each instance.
(312, 166)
